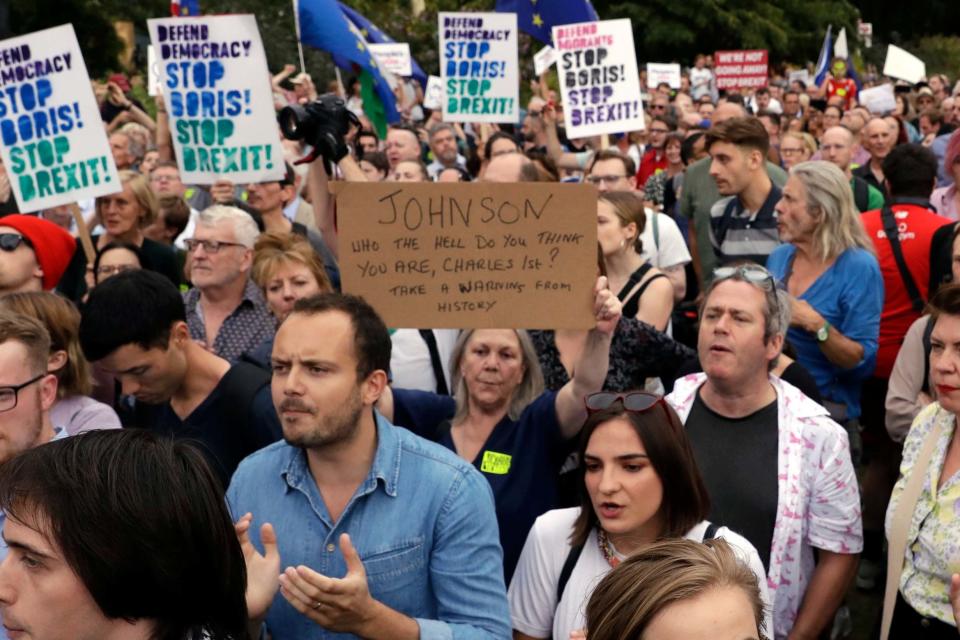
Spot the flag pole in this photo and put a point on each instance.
(296, 20)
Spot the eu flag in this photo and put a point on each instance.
(538, 17)
(372, 33)
(324, 26)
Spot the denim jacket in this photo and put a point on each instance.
(423, 523)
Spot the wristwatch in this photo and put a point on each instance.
(823, 333)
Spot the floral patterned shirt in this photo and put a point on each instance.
(244, 330)
(933, 542)
(818, 502)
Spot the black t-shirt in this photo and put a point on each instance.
(738, 462)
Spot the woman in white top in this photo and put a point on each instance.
(640, 484)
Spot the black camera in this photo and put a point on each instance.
(323, 124)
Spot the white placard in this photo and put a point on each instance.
(433, 96)
(878, 100)
(53, 141)
(217, 89)
(478, 64)
(658, 72)
(154, 81)
(903, 65)
(544, 59)
(802, 75)
(393, 57)
(599, 82)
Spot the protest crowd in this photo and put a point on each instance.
(720, 402)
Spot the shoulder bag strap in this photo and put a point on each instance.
(927, 347)
(900, 524)
(710, 532)
(435, 361)
(893, 236)
(632, 281)
(568, 566)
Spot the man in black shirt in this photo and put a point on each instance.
(134, 325)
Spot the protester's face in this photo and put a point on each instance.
(879, 137)
(444, 146)
(791, 104)
(120, 213)
(373, 174)
(448, 175)
(268, 196)
(730, 343)
(492, 367)
(120, 147)
(610, 175)
(672, 151)
(216, 269)
(613, 236)
(402, 145)
(36, 580)
(315, 387)
(659, 105)
(150, 159)
(763, 101)
(684, 103)
(837, 147)
(926, 127)
(831, 117)
(504, 168)
(19, 269)
(793, 152)
(21, 426)
(658, 134)
(150, 375)
(625, 490)
(945, 361)
(116, 261)
(289, 282)
(924, 102)
(166, 181)
(530, 127)
(706, 110)
(794, 220)
(725, 112)
(719, 613)
(502, 146)
(732, 167)
(407, 172)
(852, 121)
(368, 144)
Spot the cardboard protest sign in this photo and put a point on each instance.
(903, 65)
(53, 141)
(478, 64)
(393, 57)
(599, 82)
(879, 100)
(658, 72)
(219, 100)
(741, 69)
(544, 59)
(433, 96)
(432, 255)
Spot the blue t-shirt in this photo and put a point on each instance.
(850, 296)
(521, 460)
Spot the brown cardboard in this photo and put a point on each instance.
(476, 255)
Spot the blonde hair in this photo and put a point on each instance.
(142, 193)
(629, 597)
(808, 141)
(275, 249)
(830, 201)
(530, 388)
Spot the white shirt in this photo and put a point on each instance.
(534, 610)
(668, 248)
(410, 365)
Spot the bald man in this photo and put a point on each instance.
(402, 145)
(836, 146)
(510, 167)
(700, 193)
(878, 138)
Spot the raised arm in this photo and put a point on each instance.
(563, 159)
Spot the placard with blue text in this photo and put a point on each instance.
(217, 89)
(53, 141)
(599, 82)
(478, 64)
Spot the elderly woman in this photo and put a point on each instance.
(796, 147)
(921, 519)
(502, 421)
(828, 267)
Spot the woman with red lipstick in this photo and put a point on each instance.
(640, 485)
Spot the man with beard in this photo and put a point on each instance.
(134, 325)
(443, 144)
(533, 129)
(408, 525)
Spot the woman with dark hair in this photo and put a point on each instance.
(639, 484)
(116, 257)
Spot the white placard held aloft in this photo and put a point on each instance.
(393, 57)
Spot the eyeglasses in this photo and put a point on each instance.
(789, 152)
(533, 114)
(112, 269)
(8, 395)
(632, 402)
(209, 246)
(752, 273)
(10, 241)
(605, 179)
(659, 130)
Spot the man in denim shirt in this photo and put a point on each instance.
(408, 525)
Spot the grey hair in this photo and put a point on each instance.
(244, 228)
(830, 202)
(530, 388)
(442, 126)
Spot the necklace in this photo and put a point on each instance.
(606, 549)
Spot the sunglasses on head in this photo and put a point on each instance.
(752, 273)
(10, 241)
(632, 402)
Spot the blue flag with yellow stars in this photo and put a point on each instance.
(323, 25)
(372, 33)
(538, 17)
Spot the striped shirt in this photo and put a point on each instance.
(737, 234)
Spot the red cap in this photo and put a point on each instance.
(52, 245)
(121, 81)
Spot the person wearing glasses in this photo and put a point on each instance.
(796, 147)
(115, 258)
(639, 484)
(225, 309)
(654, 159)
(34, 253)
(777, 467)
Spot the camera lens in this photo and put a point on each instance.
(291, 121)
